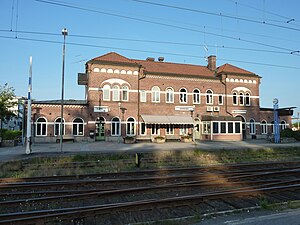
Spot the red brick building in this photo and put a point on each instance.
(150, 98)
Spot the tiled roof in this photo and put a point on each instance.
(228, 68)
(113, 57)
(57, 102)
(172, 68)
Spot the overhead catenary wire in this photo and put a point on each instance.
(216, 14)
(163, 24)
(158, 42)
(146, 51)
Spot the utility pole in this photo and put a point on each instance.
(28, 133)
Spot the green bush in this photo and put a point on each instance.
(289, 133)
(11, 134)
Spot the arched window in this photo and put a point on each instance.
(106, 92)
(282, 125)
(234, 98)
(264, 129)
(183, 95)
(169, 95)
(155, 91)
(78, 127)
(41, 127)
(252, 126)
(272, 127)
(130, 127)
(209, 97)
(115, 126)
(241, 99)
(125, 92)
(247, 99)
(196, 96)
(116, 93)
(57, 127)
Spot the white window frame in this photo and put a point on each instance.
(169, 95)
(115, 126)
(183, 96)
(264, 127)
(221, 97)
(41, 125)
(125, 93)
(241, 98)
(130, 126)
(155, 94)
(155, 129)
(235, 98)
(77, 127)
(106, 92)
(252, 126)
(57, 124)
(143, 96)
(196, 96)
(209, 97)
(170, 129)
(116, 93)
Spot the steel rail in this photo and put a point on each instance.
(68, 213)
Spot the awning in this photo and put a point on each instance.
(155, 119)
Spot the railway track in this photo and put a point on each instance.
(146, 195)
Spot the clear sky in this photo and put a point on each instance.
(261, 36)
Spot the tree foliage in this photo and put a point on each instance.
(6, 101)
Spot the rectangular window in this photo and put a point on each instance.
(215, 127)
(57, 129)
(237, 127)
(206, 127)
(125, 95)
(220, 99)
(170, 129)
(169, 96)
(223, 127)
(155, 129)
(143, 129)
(196, 98)
(106, 95)
(230, 127)
(115, 129)
(143, 96)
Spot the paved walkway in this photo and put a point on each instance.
(11, 153)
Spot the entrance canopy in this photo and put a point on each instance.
(155, 119)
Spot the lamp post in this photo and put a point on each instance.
(64, 33)
(193, 134)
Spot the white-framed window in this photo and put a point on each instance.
(183, 95)
(155, 91)
(169, 129)
(223, 127)
(252, 126)
(196, 96)
(143, 129)
(247, 99)
(143, 96)
(206, 127)
(263, 126)
(220, 99)
(237, 127)
(282, 125)
(234, 98)
(209, 97)
(115, 126)
(130, 126)
(41, 127)
(125, 93)
(78, 127)
(169, 95)
(272, 127)
(116, 93)
(106, 92)
(215, 127)
(230, 128)
(241, 96)
(155, 129)
(183, 130)
(57, 127)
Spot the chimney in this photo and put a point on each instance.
(161, 59)
(150, 59)
(211, 63)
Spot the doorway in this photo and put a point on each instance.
(244, 131)
(100, 129)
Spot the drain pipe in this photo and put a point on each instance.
(226, 101)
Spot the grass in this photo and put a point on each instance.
(62, 165)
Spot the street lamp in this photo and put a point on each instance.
(64, 33)
(193, 134)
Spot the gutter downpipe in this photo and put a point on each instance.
(226, 101)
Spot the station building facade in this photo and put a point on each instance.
(148, 98)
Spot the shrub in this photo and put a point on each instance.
(11, 134)
(289, 133)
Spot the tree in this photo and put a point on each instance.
(6, 103)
